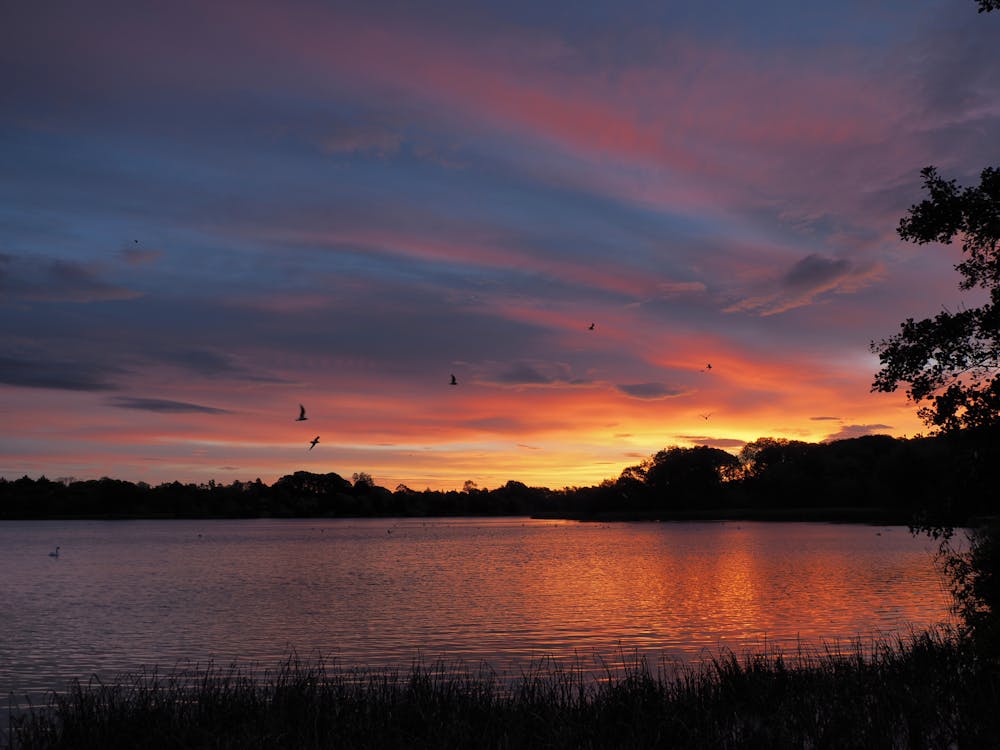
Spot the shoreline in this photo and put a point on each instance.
(840, 514)
(834, 514)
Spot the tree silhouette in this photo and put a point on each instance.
(686, 477)
(362, 479)
(951, 362)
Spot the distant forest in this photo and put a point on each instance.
(948, 478)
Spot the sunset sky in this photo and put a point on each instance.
(213, 212)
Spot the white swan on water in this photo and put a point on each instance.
(55, 552)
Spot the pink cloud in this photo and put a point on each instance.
(465, 245)
(692, 111)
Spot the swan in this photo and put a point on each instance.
(55, 552)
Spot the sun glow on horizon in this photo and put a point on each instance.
(596, 229)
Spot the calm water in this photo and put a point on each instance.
(127, 594)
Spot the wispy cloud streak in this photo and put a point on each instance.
(214, 212)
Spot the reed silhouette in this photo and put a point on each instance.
(928, 691)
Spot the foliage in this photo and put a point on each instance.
(952, 361)
(363, 479)
(952, 365)
(975, 577)
(769, 457)
(678, 475)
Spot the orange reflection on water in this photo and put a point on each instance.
(691, 586)
(371, 592)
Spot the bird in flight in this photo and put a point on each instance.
(302, 414)
(707, 367)
(591, 328)
(706, 416)
(453, 380)
(312, 443)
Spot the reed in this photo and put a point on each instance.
(928, 690)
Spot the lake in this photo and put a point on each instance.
(381, 592)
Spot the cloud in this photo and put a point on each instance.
(137, 256)
(958, 70)
(163, 406)
(538, 373)
(55, 280)
(650, 390)
(59, 375)
(807, 279)
(815, 271)
(212, 364)
(368, 140)
(495, 424)
(857, 430)
(825, 419)
(675, 288)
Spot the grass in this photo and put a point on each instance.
(930, 691)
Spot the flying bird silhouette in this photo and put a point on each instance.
(302, 414)
(453, 381)
(591, 328)
(706, 416)
(312, 443)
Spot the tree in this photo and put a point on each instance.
(685, 477)
(362, 480)
(308, 484)
(764, 454)
(975, 585)
(951, 362)
(952, 365)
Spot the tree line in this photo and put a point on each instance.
(917, 480)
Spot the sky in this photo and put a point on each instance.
(211, 213)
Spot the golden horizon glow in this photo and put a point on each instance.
(375, 200)
(549, 436)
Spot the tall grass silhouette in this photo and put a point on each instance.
(930, 690)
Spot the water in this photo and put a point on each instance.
(377, 592)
